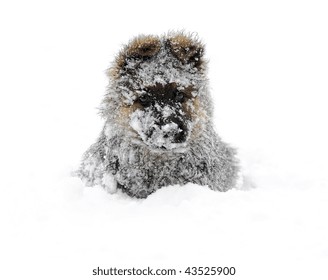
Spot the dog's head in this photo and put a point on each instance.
(158, 90)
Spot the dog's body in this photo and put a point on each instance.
(158, 128)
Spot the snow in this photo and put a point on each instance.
(268, 77)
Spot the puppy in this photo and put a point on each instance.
(158, 122)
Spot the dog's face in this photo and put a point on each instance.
(161, 119)
(159, 84)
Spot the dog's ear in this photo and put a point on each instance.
(186, 49)
(141, 48)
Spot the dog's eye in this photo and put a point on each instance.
(145, 100)
(179, 96)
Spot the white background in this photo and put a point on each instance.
(268, 73)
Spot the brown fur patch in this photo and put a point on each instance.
(186, 49)
(195, 113)
(142, 47)
(125, 112)
(198, 109)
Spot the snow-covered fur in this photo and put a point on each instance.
(158, 122)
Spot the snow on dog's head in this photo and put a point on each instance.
(158, 90)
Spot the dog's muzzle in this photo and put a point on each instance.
(164, 127)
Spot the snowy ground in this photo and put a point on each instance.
(268, 73)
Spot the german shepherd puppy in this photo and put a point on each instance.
(158, 121)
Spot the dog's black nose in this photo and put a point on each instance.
(181, 135)
(178, 134)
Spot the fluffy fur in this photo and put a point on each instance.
(158, 122)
